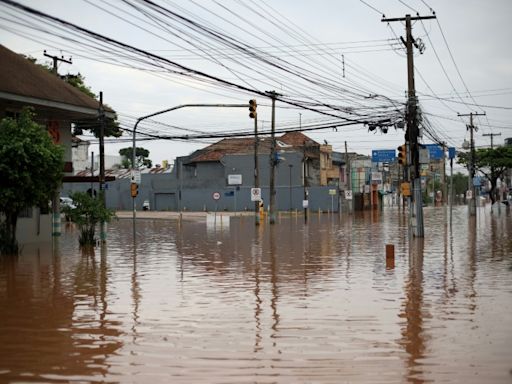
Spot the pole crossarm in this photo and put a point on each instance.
(412, 18)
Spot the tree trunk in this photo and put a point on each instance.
(492, 192)
(9, 245)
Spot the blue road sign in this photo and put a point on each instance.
(451, 152)
(383, 155)
(435, 151)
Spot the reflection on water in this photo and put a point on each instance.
(283, 303)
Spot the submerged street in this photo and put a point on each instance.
(286, 303)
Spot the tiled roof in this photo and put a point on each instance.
(218, 150)
(20, 77)
(297, 139)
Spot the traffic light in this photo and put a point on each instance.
(402, 154)
(134, 189)
(252, 108)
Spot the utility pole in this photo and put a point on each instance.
(471, 127)
(273, 160)
(256, 170)
(492, 136)
(412, 132)
(56, 197)
(103, 197)
(56, 59)
(444, 190)
(348, 182)
(305, 201)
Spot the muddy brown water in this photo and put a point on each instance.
(288, 303)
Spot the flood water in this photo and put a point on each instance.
(288, 303)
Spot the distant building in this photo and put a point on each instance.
(304, 167)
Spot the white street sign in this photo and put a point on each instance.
(136, 178)
(255, 194)
(348, 195)
(216, 195)
(305, 204)
(332, 192)
(234, 179)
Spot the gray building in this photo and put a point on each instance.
(226, 168)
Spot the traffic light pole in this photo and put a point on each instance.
(135, 167)
(412, 132)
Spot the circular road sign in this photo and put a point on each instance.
(216, 195)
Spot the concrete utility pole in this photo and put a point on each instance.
(273, 160)
(56, 59)
(103, 197)
(348, 182)
(56, 225)
(256, 170)
(492, 136)
(444, 189)
(471, 127)
(412, 132)
(305, 182)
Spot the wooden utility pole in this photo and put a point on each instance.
(56, 59)
(472, 188)
(412, 132)
(492, 137)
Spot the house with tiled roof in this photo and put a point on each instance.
(57, 105)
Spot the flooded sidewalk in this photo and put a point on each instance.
(196, 302)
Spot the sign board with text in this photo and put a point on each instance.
(135, 176)
(383, 155)
(255, 194)
(234, 179)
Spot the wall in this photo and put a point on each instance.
(191, 187)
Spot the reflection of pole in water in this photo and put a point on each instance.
(136, 296)
(472, 235)
(273, 280)
(413, 338)
(103, 283)
(256, 255)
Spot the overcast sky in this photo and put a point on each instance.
(342, 42)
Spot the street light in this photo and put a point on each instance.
(159, 113)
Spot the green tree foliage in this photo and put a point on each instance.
(141, 157)
(491, 163)
(31, 168)
(460, 183)
(87, 213)
(93, 125)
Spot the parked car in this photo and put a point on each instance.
(145, 205)
(67, 202)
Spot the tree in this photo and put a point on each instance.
(87, 212)
(141, 157)
(31, 168)
(492, 163)
(460, 183)
(94, 124)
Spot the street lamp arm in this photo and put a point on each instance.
(173, 109)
